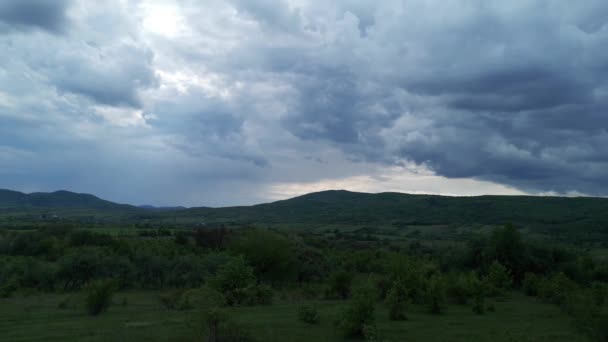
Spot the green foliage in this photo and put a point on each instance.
(461, 287)
(556, 288)
(412, 273)
(9, 287)
(270, 254)
(186, 271)
(99, 296)
(435, 295)
(478, 304)
(498, 279)
(236, 282)
(340, 283)
(396, 300)
(308, 314)
(258, 294)
(589, 317)
(531, 284)
(359, 314)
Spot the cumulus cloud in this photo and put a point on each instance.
(178, 100)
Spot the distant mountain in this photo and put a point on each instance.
(58, 199)
(342, 208)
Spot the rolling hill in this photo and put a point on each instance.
(344, 207)
(58, 200)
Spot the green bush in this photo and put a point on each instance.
(175, 300)
(531, 284)
(99, 296)
(359, 314)
(498, 279)
(232, 281)
(478, 304)
(308, 314)
(435, 295)
(556, 288)
(7, 289)
(461, 288)
(258, 294)
(396, 300)
(214, 325)
(340, 284)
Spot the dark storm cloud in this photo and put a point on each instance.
(48, 15)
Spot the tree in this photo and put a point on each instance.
(359, 314)
(340, 284)
(510, 250)
(232, 280)
(270, 254)
(435, 295)
(396, 300)
(99, 296)
(498, 278)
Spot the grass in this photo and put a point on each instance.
(38, 318)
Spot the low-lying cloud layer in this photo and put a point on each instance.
(228, 102)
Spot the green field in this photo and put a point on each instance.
(37, 317)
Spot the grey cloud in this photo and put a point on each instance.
(110, 79)
(48, 15)
(513, 92)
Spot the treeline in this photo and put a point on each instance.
(215, 267)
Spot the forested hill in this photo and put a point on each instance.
(58, 199)
(338, 206)
(342, 207)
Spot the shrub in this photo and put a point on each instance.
(340, 284)
(435, 295)
(215, 325)
(308, 314)
(359, 313)
(232, 280)
(461, 288)
(99, 296)
(478, 304)
(172, 300)
(498, 279)
(7, 289)
(530, 284)
(556, 288)
(258, 294)
(396, 300)
(271, 254)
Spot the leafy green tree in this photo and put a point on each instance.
(510, 250)
(340, 283)
(396, 300)
(435, 295)
(359, 314)
(99, 296)
(498, 279)
(271, 254)
(232, 280)
(530, 284)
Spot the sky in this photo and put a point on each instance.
(215, 103)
